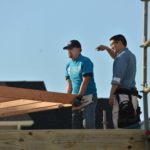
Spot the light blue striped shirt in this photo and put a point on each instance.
(124, 69)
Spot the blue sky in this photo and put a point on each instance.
(33, 32)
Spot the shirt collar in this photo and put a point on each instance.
(124, 49)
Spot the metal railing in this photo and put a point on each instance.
(146, 44)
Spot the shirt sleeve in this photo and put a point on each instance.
(119, 70)
(87, 68)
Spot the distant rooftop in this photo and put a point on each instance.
(37, 85)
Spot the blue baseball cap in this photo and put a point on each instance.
(72, 44)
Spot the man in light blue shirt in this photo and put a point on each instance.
(80, 81)
(123, 91)
(124, 69)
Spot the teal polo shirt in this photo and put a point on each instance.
(76, 70)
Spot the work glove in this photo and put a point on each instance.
(77, 101)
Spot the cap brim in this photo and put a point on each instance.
(67, 47)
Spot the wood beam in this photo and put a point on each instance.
(11, 93)
(72, 140)
(27, 106)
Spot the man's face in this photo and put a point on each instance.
(73, 53)
(115, 45)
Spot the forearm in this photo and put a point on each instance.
(113, 90)
(111, 52)
(84, 85)
(68, 87)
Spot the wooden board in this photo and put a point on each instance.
(72, 140)
(11, 93)
(15, 103)
(24, 106)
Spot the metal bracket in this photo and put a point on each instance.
(146, 90)
(146, 44)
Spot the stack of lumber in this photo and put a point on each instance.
(20, 101)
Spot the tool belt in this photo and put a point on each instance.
(132, 91)
(127, 114)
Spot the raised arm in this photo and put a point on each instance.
(109, 50)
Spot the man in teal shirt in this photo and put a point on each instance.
(80, 81)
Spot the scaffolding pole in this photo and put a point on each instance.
(144, 74)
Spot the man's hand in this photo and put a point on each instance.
(76, 105)
(101, 48)
(110, 51)
(77, 101)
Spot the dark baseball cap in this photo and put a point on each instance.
(72, 44)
